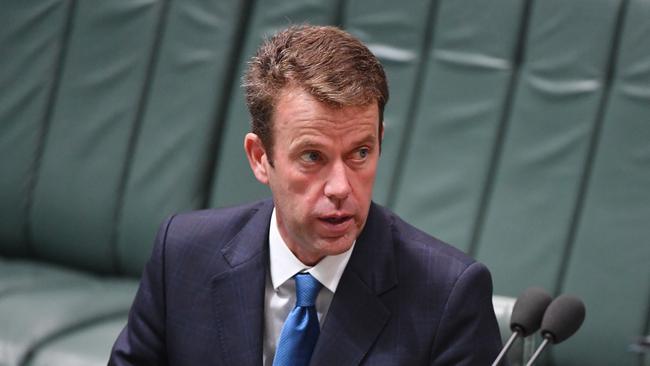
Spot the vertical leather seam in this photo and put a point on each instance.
(32, 179)
(592, 149)
(223, 105)
(502, 129)
(409, 123)
(117, 264)
(340, 14)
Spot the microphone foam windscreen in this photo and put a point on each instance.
(528, 310)
(563, 318)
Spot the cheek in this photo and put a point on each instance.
(304, 184)
(301, 193)
(298, 185)
(364, 181)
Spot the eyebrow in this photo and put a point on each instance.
(367, 140)
(304, 143)
(307, 142)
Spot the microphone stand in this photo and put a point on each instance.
(535, 355)
(505, 349)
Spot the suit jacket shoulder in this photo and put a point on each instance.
(215, 227)
(200, 300)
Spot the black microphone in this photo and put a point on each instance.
(526, 316)
(562, 319)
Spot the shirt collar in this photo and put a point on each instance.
(284, 264)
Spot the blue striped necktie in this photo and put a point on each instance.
(300, 331)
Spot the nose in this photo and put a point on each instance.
(337, 185)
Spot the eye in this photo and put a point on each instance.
(310, 156)
(362, 153)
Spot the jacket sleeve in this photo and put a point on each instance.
(468, 333)
(142, 341)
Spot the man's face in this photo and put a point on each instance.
(324, 164)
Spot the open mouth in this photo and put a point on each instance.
(336, 220)
(336, 226)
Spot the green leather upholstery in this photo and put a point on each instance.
(516, 130)
(32, 318)
(570, 195)
(20, 275)
(176, 136)
(537, 182)
(468, 70)
(609, 260)
(86, 346)
(84, 152)
(32, 30)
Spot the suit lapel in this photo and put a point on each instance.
(357, 315)
(238, 293)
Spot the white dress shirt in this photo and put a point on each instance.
(280, 293)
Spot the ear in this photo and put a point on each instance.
(257, 157)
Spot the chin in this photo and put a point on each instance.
(337, 247)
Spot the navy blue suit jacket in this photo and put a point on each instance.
(405, 298)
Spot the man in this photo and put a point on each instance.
(228, 286)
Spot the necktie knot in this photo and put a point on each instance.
(307, 288)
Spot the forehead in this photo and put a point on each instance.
(299, 114)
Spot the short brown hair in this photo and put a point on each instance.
(327, 62)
